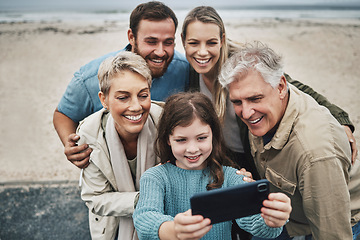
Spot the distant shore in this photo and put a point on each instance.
(38, 60)
(228, 9)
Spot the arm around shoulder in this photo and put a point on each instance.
(341, 116)
(66, 128)
(63, 125)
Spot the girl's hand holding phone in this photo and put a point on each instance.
(276, 210)
(185, 226)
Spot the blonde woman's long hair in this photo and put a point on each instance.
(207, 14)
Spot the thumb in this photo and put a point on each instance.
(188, 213)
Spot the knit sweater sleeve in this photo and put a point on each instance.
(254, 224)
(149, 213)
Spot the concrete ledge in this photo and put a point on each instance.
(42, 210)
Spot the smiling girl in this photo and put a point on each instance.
(189, 144)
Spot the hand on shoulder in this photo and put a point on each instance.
(77, 155)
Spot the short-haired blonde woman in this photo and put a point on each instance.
(122, 138)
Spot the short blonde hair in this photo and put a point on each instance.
(124, 60)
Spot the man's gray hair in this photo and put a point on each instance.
(254, 56)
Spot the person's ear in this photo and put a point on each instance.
(223, 39)
(103, 99)
(131, 38)
(183, 40)
(282, 87)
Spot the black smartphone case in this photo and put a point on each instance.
(230, 203)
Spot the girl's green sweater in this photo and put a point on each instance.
(165, 191)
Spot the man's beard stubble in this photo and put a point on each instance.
(155, 72)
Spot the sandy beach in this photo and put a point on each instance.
(39, 59)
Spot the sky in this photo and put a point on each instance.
(128, 5)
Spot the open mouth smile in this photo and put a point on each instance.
(202, 61)
(193, 158)
(133, 117)
(157, 61)
(256, 120)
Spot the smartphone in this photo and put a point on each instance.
(230, 203)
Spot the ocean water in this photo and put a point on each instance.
(119, 10)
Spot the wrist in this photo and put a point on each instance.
(167, 231)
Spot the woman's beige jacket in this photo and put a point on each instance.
(109, 209)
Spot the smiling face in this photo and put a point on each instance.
(259, 105)
(155, 42)
(202, 46)
(128, 102)
(191, 145)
